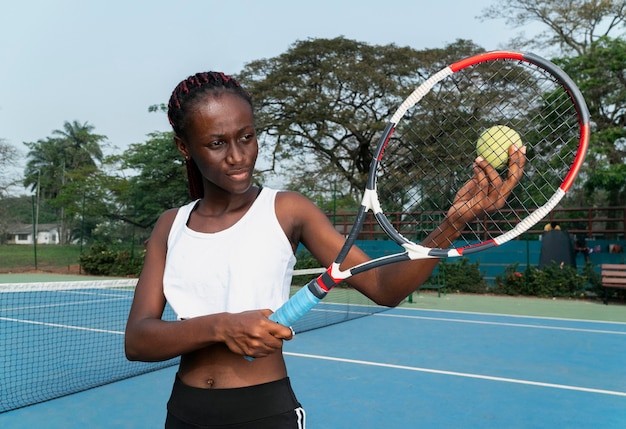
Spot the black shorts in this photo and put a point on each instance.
(270, 405)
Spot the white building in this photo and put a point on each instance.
(23, 234)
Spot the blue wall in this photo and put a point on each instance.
(495, 260)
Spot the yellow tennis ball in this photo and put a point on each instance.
(493, 145)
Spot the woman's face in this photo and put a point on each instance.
(221, 139)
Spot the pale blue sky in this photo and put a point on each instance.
(105, 62)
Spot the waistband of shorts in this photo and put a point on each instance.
(231, 406)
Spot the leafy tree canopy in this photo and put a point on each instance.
(571, 25)
(160, 180)
(322, 104)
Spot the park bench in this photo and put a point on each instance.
(613, 276)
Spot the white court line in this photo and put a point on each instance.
(57, 325)
(461, 374)
(517, 325)
(517, 316)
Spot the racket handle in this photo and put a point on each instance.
(297, 306)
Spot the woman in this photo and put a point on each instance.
(224, 263)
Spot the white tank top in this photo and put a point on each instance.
(245, 267)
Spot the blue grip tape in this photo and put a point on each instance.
(297, 306)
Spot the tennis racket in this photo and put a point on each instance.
(426, 152)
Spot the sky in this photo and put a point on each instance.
(105, 62)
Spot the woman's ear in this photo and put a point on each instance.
(182, 147)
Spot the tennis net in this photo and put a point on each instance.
(60, 338)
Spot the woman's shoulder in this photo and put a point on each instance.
(168, 216)
(292, 198)
(295, 206)
(162, 228)
(166, 220)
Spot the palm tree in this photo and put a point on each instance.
(53, 162)
(80, 147)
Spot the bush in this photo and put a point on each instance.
(102, 260)
(463, 276)
(460, 276)
(552, 281)
(511, 282)
(593, 280)
(304, 260)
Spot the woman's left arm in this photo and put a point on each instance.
(388, 285)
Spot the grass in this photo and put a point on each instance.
(22, 257)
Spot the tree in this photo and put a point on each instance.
(600, 76)
(8, 157)
(322, 104)
(160, 182)
(572, 25)
(51, 158)
(70, 155)
(44, 167)
(80, 147)
(582, 29)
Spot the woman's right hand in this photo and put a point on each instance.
(487, 191)
(252, 334)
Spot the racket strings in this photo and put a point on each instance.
(432, 151)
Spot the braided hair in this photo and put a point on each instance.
(184, 97)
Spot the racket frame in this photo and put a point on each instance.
(317, 288)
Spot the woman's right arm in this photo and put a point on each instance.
(149, 338)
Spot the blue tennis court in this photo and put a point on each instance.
(411, 367)
(415, 368)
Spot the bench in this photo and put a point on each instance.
(613, 276)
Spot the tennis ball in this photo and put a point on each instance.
(493, 145)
